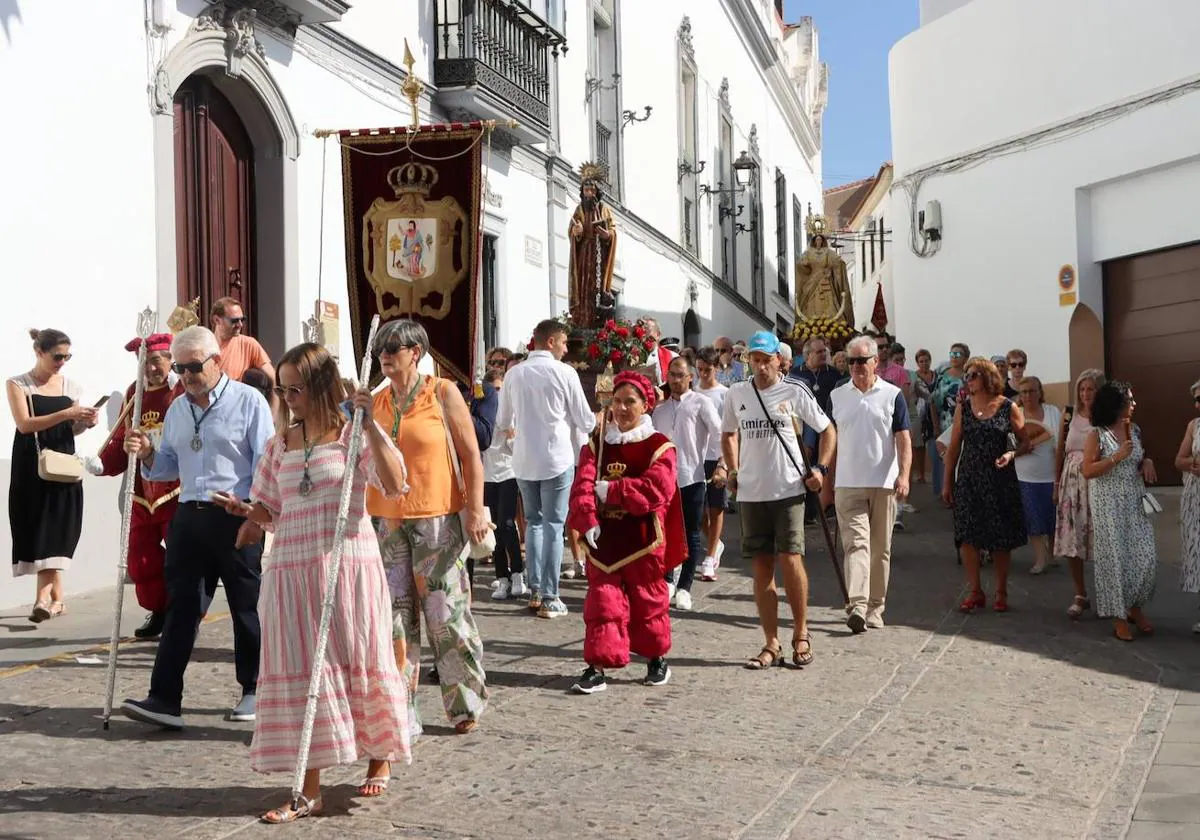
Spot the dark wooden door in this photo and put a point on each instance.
(214, 199)
(1151, 309)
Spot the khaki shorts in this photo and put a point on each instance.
(774, 527)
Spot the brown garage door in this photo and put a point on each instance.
(1152, 340)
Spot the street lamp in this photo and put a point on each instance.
(743, 169)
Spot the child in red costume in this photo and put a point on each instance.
(154, 502)
(630, 515)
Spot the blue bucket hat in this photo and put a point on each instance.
(763, 341)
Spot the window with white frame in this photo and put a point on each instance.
(781, 243)
(603, 75)
(688, 165)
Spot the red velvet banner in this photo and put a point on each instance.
(412, 204)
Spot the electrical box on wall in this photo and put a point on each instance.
(931, 220)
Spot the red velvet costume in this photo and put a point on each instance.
(154, 502)
(641, 537)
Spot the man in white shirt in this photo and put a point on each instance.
(873, 464)
(716, 496)
(691, 422)
(543, 403)
(660, 356)
(759, 434)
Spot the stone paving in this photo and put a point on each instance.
(941, 725)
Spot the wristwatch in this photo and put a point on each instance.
(821, 468)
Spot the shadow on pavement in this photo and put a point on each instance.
(71, 723)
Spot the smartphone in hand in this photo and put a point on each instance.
(100, 402)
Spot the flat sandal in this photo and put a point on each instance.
(768, 657)
(304, 807)
(801, 659)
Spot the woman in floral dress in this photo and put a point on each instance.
(1123, 550)
(1073, 529)
(980, 481)
(1187, 461)
(363, 709)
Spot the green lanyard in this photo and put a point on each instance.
(398, 411)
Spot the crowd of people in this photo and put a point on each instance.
(241, 465)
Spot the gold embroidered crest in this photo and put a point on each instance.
(409, 245)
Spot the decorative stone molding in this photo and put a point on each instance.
(237, 22)
(723, 94)
(491, 197)
(215, 41)
(685, 39)
(753, 139)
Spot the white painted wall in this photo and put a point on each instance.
(865, 289)
(931, 10)
(1012, 222)
(83, 185)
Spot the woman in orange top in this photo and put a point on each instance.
(421, 535)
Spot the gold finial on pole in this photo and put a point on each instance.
(412, 87)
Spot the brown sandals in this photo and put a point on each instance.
(799, 658)
(768, 657)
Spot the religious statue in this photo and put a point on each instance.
(593, 239)
(822, 290)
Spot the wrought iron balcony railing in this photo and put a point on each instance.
(500, 50)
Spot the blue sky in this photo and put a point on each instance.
(856, 36)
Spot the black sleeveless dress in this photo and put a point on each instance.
(987, 501)
(45, 517)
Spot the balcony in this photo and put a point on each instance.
(603, 141)
(492, 61)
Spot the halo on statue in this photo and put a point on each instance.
(184, 316)
(817, 225)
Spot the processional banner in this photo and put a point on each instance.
(412, 215)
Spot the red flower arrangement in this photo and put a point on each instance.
(621, 342)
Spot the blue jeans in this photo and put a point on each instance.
(545, 517)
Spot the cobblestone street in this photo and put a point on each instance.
(990, 726)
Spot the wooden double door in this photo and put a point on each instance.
(214, 199)
(1151, 312)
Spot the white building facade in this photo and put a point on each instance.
(169, 146)
(1062, 143)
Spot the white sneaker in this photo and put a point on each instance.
(503, 590)
(708, 570)
(670, 592)
(683, 600)
(720, 551)
(518, 589)
(874, 620)
(581, 569)
(568, 571)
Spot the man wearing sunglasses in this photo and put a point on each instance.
(729, 369)
(873, 463)
(1017, 362)
(239, 352)
(212, 439)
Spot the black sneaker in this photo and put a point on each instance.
(153, 712)
(657, 672)
(153, 627)
(432, 677)
(857, 622)
(592, 681)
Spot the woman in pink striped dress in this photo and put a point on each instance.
(363, 710)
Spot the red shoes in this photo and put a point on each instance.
(1001, 603)
(976, 600)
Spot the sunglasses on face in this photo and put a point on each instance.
(61, 357)
(497, 362)
(236, 321)
(1016, 364)
(195, 368)
(394, 347)
(289, 390)
(957, 354)
(972, 376)
(859, 360)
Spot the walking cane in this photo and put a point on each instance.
(331, 577)
(145, 326)
(837, 566)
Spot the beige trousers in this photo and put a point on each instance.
(865, 517)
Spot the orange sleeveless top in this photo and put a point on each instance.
(421, 438)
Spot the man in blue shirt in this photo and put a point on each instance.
(211, 442)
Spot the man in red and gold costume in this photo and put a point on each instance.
(625, 502)
(154, 502)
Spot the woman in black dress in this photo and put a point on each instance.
(45, 516)
(984, 492)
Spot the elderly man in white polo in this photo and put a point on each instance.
(873, 461)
